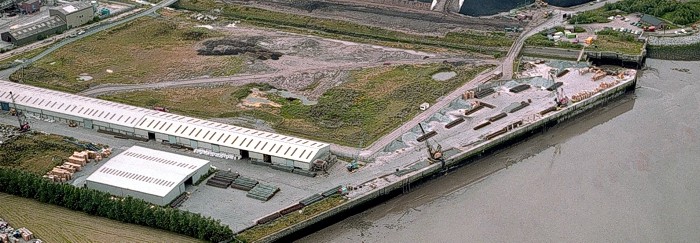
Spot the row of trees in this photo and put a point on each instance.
(128, 210)
(678, 12)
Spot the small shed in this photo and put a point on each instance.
(651, 20)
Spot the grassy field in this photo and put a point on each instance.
(145, 50)
(482, 42)
(312, 210)
(36, 153)
(26, 55)
(56, 224)
(607, 40)
(373, 103)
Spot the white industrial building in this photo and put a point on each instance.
(161, 126)
(154, 176)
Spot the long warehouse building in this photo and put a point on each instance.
(143, 123)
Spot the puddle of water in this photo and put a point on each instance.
(443, 76)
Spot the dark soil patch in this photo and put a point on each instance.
(226, 47)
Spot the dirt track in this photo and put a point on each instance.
(391, 17)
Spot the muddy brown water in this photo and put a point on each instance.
(627, 172)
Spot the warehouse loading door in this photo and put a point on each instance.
(5, 106)
(172, 139)
(87, 123)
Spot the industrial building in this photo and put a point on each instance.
(37, 31)
(652, 21)
(29, 6)
(75, 14)
(154, 176)
(110, 117)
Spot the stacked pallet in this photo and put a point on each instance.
(26, 234)
(262, 192)
(520, 88)
(79, 158)
(222, 179)
(310, 200)
(179, 200)
(243, 183)
(332, 191)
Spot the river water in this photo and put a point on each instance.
(627, 172)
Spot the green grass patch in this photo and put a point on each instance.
(145, 50)
(606, 40)
(677, 12)
(35, 152)
(467, 41)
(8, 62)
(260, 231)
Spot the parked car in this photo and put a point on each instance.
(80, 32)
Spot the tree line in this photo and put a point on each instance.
(678, 12)
(128, 210)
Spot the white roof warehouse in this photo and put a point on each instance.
(161, 126)
(154, 176)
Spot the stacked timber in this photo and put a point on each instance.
(477, 127)
(469, 94)
(522, 105)
(268, 218)
(26, 234)
(79, 158)
(262, 192)
(77, 167)
(291, 209)
(520, 88)
(484, 92)
(555, 86)
(582, 95)
(59, 175)
(496, 133)
(548, 110)
(472, 110)
(222, 179)
(606, 85)
(243, 183)
(454, 123)
(497, 117)
(304, 172)
(562, 73)
(179, 200)
(487, 105)
(282, 167)
(332, 191)
(310, 200)
(598, 75)
(426, 136)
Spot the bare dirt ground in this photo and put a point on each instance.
(308, 65)
(400, 18)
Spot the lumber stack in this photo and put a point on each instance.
(26, 234)
(262, 192)
(243, 183)
(310, 200)
(222, 179)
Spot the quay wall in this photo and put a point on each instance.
(386, 192)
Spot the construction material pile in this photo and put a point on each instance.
(216, 155)
(179, 200)
(606, 85)
(599, 74)
(9, 234)
(222, 179)
(243, 183)
(75, 163)
(262, 192)
(582, 95)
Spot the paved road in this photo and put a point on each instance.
(5, 74)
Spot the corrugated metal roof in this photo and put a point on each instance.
(232, 136)
(64, 103)
(38, 27)
(166, 123)
(146, 170)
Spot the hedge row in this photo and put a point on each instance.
(128, 210)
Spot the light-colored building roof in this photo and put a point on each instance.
(166, 123)
(232, 136)
(74, 105)
(38, 27)
(74, 7)
(146, 170)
